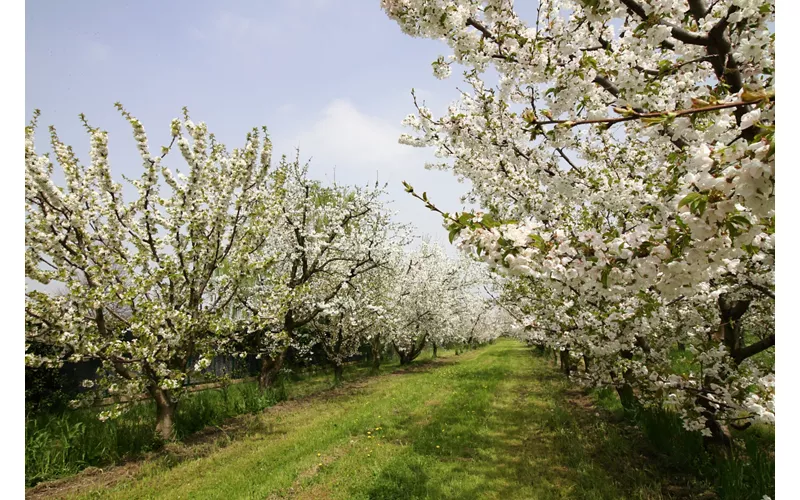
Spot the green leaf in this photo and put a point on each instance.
(604, 275)
(453, 233)
(465, 217)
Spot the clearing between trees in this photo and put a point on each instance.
(498, 422)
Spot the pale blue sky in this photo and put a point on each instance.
(333, 77)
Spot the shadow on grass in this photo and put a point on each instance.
(507, 431)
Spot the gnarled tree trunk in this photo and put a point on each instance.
(165, 413)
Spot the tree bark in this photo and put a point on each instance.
(165, 413)
(409, 356)
(405, 358)
(625, 391)
(270, 368)
(338, 373)
(731, 334)
(376, 354)
(626, 396)
(565, 362)
(434, 349)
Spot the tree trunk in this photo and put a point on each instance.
(434, 349)
(626, 396)
(586, 363)
(565, 362)
(165, 413)
(625, 391)
(407, 357)
(376, 354)
(731, 334)
(338, 373)
(270, 368)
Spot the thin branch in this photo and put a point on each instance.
(633, 115)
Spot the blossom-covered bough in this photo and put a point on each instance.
(624, 151)
(144, 292)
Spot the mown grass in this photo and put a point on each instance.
(58, 445)
(492, 423)
(499, 422)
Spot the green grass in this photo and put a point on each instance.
(491, 423)
(498, 422)
(63, 444)
(747, 475)
(58, 445)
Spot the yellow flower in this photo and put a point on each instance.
(319, 454)
(437, 445)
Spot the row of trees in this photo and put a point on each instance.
(624, 152)
(234, 257)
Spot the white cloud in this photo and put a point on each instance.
(97, 52)
(346, 137)
(360, 146)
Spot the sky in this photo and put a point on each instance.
(332, 78)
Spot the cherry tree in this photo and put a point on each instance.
(324, 239)
(143, 292)
(360, 310)
(624, 151)
(432, 291)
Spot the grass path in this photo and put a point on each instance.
(493, 423)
